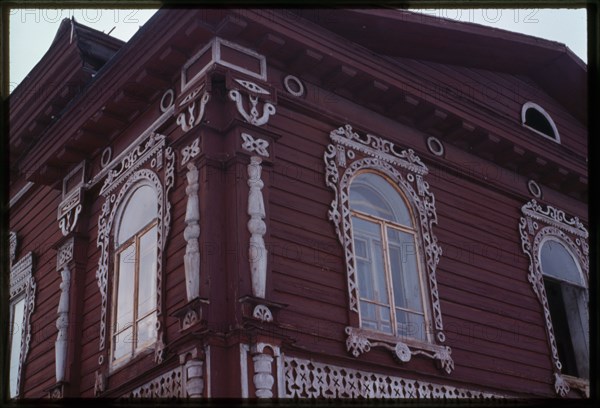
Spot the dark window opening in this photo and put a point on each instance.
(536, 120)
(560, 323)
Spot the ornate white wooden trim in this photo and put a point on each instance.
(252, 90)
(191, 151)
(535, 226)
(263, 371)
(257, 252)
(129, 173)
(260, 146)
(193, 112)
(191, 233)
(360, 341)
(342, 161)
(310, 379)
(167, 385)
(262, 312)
(69, 210)
(22, 282)
(12, 246)
(62, 324)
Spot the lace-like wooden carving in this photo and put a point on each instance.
(536, 224)
(350, 153)
(167, 385)
(309, 379)
(126, 173)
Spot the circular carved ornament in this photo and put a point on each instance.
(293, 85)
(106, 157)
(435, 146)
(402, 352)
(534, 188)
(167, 100)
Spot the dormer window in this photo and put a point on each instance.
(535, 118)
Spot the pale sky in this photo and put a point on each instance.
(32, 30)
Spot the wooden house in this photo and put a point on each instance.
(299, 203)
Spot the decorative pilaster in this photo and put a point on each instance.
(257, 252)
(191, 235)
(62, 324)
(192, 364)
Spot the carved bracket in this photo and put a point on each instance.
(69, 210)
(253, 91)
(359, 342)
(192, 108)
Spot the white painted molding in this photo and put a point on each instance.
(15, 199)
(311, 379)
(191, 234)
(542, 111)
(244, 349)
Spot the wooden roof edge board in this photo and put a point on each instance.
(537, 53)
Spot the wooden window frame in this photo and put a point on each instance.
(135, 351)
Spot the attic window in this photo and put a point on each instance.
(535, 118)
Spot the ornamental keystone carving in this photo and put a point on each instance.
(537, 224)
(252, 91)
(348, 154)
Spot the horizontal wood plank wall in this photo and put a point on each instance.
(493, 321)
(34, 221)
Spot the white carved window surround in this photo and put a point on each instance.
(536, 119)
(558, 254)
(353, 162)
(132, 233)
(22, 303)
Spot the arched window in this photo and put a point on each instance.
(389, 280)
(567, 301)
(135, 269)
(535, 118)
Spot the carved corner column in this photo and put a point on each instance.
(265, 372)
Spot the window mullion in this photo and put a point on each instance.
(388, 276)
(136, 273)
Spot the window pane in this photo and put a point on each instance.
(410, 324)
(558, 262)
(146, 331)
(147, 277)
(125, 287)
(405, 275)
(374, 195)
(375, 317)
(371, 272)
(122, 343)
(18, 312)
(140, 209)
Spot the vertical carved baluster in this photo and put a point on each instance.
(257, 227)
(191, 234)
(62, 324)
